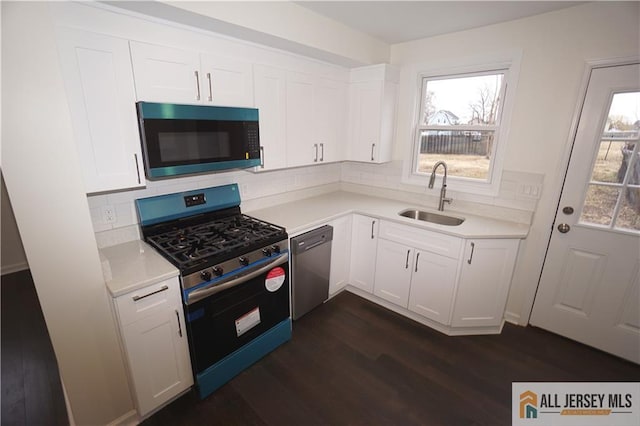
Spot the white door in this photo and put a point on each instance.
(364, 244)
(588, 290)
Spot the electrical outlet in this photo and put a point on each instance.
(109, 214)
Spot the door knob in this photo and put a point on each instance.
(564, 228)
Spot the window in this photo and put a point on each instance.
(459, 121)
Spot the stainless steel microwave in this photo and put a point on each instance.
(186, 139)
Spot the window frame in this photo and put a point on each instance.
(508, 65)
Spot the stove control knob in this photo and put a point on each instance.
(205, 275)
(266, 252)
(275, 248)
(218, 271)
(243, 261)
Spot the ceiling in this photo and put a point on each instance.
(399, 21)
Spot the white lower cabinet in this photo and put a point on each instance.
(340, 253)
(154, 337)
(394, 263)
(432, 286)
(364, 244)
(485, 278)
(462, 285)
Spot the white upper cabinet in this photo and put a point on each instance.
(227, 81)
(372, 111)
(100, 91)
(165, 74)
(300, 131)
(329, 115)
(270, 95)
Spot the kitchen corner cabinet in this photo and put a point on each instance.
(154, 338)
(166, 74)
(96, 70)
(364, 245)
(485, 277)
(372, 110)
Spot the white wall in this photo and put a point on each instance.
(43, 179)
(555, 48)
(11, 250)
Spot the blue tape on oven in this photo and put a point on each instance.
(192, 316)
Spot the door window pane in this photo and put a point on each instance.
(629, 214)
(613, 197)
(599, 205)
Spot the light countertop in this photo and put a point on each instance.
(133, 265)
(302, 215)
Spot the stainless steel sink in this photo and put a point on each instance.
(440, 219)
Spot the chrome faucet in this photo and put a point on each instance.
(443, 190)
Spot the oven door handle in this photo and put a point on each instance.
(201, 293)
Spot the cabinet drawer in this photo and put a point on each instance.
(140, 303)
(435, 242)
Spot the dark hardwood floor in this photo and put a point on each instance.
(31, 389)
(350, 362)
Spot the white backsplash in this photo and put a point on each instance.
(516, 201)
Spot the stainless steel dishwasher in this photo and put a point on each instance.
(310, 266)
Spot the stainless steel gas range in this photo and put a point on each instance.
(234, 273)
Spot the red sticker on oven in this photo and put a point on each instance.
(275, 279)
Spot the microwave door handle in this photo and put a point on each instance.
(201, 293)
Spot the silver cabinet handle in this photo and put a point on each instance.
(262, 157)
(210, 91)
(473, 246)
(417, 257)
(161, 289)
(406, 265)
(373, 222)
(135, 158)
(179, 325)
(373, 145)
(197, 85)
(315, 146)
(321, 152)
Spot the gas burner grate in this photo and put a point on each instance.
(215, 240)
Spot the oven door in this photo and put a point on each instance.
(232, 314)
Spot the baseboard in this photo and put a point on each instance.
(15, 267)
(128, 419)
(512, 318)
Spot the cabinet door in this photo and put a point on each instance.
(271, 101)
(487, 267)
(394, 263)
(158, 357)
(226, 81)
(329, 119)
(99, 83)
(340, 253)
(164, 74)
(432, 286)
(300, 130)
(365, 116)
(364, 243)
